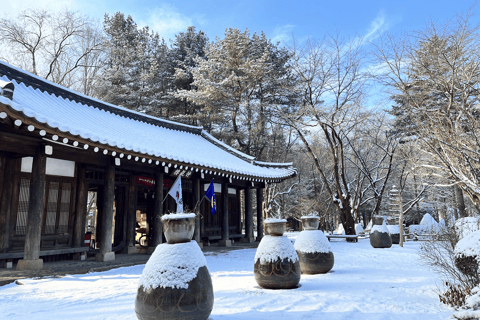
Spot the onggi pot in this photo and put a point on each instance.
(175, 283)
(379, 235)
(313, 248)
(276, 262)
(394, 231)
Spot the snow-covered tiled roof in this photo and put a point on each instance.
(109, 125)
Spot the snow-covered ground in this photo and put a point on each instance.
(365, 283)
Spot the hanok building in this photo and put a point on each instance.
(56, 145)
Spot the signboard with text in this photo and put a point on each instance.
(150, 182)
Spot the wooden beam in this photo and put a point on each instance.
(44, 237)
(17, 255)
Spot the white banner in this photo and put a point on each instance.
(176, 193)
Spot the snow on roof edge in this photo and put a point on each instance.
(73, 92)
(19, 108)
(214, 140)
(19, 80)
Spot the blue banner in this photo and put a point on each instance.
(210, 194)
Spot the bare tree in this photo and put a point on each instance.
(372, 151)
(435, 80)
(55, 46)
(333, 86)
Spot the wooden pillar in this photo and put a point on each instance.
(106, 253)
(239, 210)
(225, 242)
(120, 215)
(131, 215)
(259, 214)
(125, 216)
(31, 256)
(202, 221)
(8, 176)
(99, 215)
(158, 208)
(197, 194)
(80, 208)
(248, 217)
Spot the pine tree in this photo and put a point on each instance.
(236, 85)
(138, 73)
(187, 48)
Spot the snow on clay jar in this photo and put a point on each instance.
(276, 262)
(379, 235)
(175, 283)
(394, 231)
(313, 248)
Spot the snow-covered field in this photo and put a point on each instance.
(365, 283)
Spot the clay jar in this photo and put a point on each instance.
(313, 248)
(178, 230)
(394, 233)
(379, 236)
(275, 270)
(192, 295)
(310, 222)
(467, 255)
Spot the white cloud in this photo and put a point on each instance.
(377, 26)
(283, 33)
(167, 21)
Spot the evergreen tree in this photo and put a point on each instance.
(237, 84)
(138, 73)
(187, 47)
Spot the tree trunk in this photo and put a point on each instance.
(347, 222)
(400, 222)
(460, 202)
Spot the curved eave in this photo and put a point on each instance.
(8, 113)
(21, 76)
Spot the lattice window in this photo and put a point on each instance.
(22, 214)
(64, 208)
(52, 204)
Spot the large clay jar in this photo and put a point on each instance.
(379, 235)
(467, 256)
(276, 262)
(313, 248)
(175, 283)
(394, 231)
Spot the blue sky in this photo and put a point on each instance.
(278, 19)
